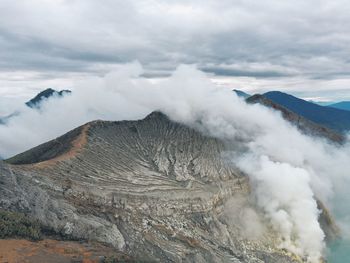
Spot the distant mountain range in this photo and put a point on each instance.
(38, 99)
(36, 102)
(330, 117)
(344, 105)
(304, 125)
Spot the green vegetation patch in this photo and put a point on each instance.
(18, 225)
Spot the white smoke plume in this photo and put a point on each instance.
(287, 169)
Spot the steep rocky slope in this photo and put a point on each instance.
(333, 118)
(304, 125)
(154, 189)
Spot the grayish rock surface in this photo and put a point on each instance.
(154, 189)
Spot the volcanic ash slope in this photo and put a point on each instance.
(154, 189)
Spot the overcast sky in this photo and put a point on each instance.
(302, 47)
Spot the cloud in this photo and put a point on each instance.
(257, 70)
(300, 39)
(287, 169)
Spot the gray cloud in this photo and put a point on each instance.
(269, 39)
(241, 71)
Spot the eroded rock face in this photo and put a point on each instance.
(154, 189)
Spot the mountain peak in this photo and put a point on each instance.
(156, 115)
(45, 94)
(241, 93)
(70, 144)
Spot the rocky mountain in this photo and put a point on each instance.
(332, 118)
(45, 94)
(153, 189)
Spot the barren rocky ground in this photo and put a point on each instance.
(153, 189)
(54, 251)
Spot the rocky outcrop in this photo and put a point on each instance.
(154, 189)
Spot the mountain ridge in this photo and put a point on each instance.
(343, 105)
(335, 119)
(241, 93)
(303, 124)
